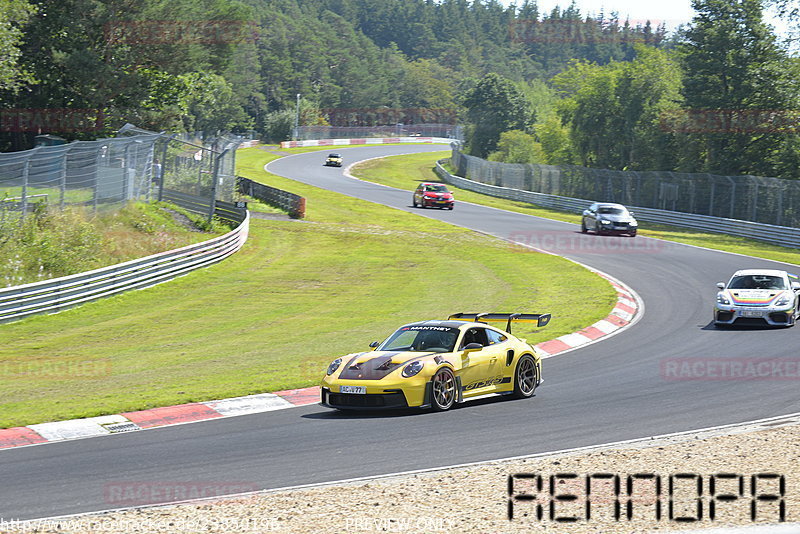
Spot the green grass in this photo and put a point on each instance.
(71, 196)
(405, 172)
(272, 316)
(253, 204)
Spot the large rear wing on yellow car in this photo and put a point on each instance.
(541, 319)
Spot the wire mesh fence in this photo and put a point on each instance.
(749, 198)
(136, 165)
(87, 173)
(193, 165)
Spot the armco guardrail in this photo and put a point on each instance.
(55, 295)
(780, 235)
(294, 204)
(202, 206)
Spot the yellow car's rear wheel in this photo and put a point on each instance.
(443, 389)
(526, 377)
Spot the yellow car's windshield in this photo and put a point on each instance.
(422, 338)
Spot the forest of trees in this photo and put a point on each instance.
(550, 87)
(140, 62)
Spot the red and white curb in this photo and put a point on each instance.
(625, 313)
(155, 417)
(365, 141)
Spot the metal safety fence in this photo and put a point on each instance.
(757, 199)
(780, 235)
(293, 204)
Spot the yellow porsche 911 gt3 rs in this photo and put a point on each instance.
(435, 364)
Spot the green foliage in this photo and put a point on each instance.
(150, 62)
(735, 67)
(14, 14)
(516, 146)
(615, 112)
(493, 106)
(555, 141)
(50, 243)
(726, 102)
(47, 244)
(620, 91)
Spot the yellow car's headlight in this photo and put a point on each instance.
(334, 366)
(412, 369)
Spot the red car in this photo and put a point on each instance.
(430, 194)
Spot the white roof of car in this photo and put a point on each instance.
(764, 272)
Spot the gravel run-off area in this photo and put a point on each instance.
(475, 498)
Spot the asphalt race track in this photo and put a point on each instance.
(614, 390)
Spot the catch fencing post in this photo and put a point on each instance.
(214, 178)
(97, 158)
(126, 162)
(25, 171)
(163, 163)
(62, 182)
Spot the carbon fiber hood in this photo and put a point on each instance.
(375, 365)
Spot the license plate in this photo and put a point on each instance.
(752, 313)
(353, 389)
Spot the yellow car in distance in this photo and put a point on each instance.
(333, 160)
(436, 364)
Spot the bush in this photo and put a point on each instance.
(516, 146)
(50, 243)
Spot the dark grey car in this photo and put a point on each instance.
(608, 218)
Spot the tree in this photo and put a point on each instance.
(516, 146)
(555, 140)
(493, 106)
(593, 112)
(615, 111)
(736, 74)
(13, 16)
(648, 89)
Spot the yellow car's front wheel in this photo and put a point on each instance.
(443, 389)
